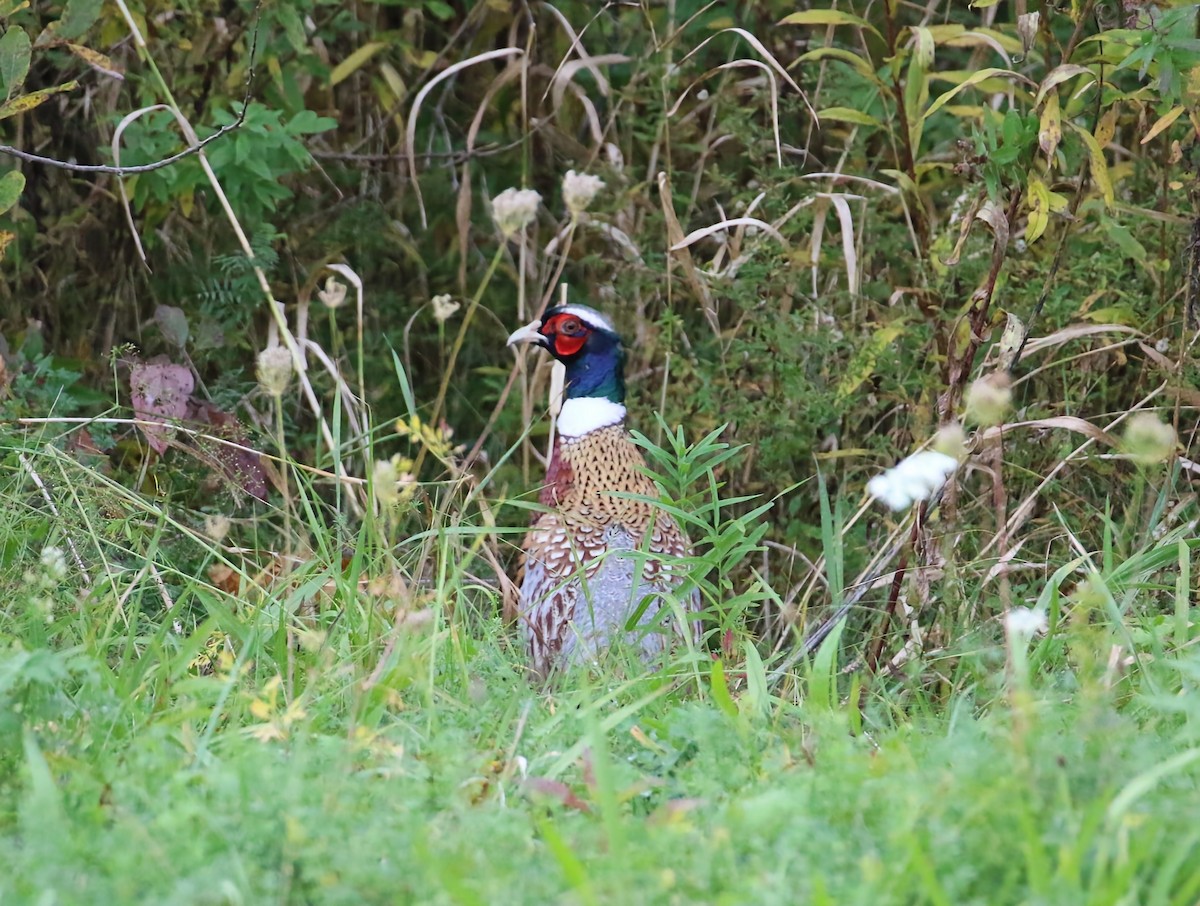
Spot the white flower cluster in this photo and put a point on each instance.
(579, 190)
(443, 307)
(1022, 624)
(914, 479)
(514, 209)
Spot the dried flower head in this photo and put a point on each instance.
(989, 399)
(579, 190)
(216, 526)
(333, 295)
(1022, 624)
(514, 209)
(443, 307)
(393, 482)
(1147, 440)
(914, 479)
(274, 370)
(951, 441)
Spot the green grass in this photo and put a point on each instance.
(319, 741)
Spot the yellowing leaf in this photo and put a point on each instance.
(1050, 128)
(862, 366)
(1164, 122)
(973, 79)
(96, 60)
(848, 115)
(1037, 199)
(1099, 166)
(27, 102)
(8, 7)
(355, 61)
(1107, 127)
(838, 53)
(828, 17)
(6, 239)
(1057, 76)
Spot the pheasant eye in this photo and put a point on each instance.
(571, 327)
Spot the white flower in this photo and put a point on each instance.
(54, 561)
(514, 209)
(1162, 345)
(914, 479)
(443, 307)
(334, 293)
(579, 190)
(1022, 624)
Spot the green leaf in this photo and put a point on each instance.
(77, 18)
(848, 115)
(720, 690)
(862, 366)
(829, 17)
(14, 58)
(8, 7)
(12, 184)
(173, 323)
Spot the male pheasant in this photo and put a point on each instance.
(578, 590)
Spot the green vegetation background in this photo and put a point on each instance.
(228, 677)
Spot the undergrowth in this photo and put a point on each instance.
(265, 463)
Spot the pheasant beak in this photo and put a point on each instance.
(528, 334)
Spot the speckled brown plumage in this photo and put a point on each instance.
(578, 590)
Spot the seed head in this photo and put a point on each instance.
(274, 370)
(579, 190)
(515, 209)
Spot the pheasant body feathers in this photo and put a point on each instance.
(597, 554)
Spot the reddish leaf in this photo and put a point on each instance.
(160, 391)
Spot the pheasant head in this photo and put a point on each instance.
(591, 351)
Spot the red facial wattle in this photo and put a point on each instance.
(567, 335)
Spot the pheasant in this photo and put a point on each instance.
(578, 592)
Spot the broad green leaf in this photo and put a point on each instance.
(973, 79)
(1164, 122)
(1050, 127)
(77, 18)
(14, 58)
(1037, 199)
(916, 85)
(173, 323)
(846, 56)
(828, 17)
(983, 4)
(848, 115)
(12, 184)
(27, 102)
(1099, 166)
(355, 61)
(720, 689)
(1057, 76)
